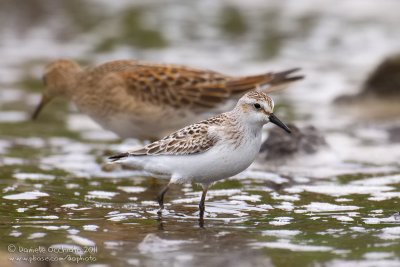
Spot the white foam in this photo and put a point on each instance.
(262, 175)
(99, 135)
(275, 195)
(90, 227)
(380, 196)
(378, 255)
(101, 194)
(383, 180)
(285, 245)
(185, 200)
(344, 218)
(363, 263)
(36, 235)
(376, 220)
(281, 233)
(45, 217)
(82, 240)
(372, 220)
(12, 116)
(72, 205)
(343, 200)
(15, 233)
(117, 217)
(227, 208)
(132, 189)
(223, 192)
(344, 190)
(55, 228)
(358, 229)
(26, 195)
(325, 207)
(281, 221)
(250, 198)
(390, 233)
(35, 142)
(288, 206)
(73, 231)
(22, 209)
(10, 161)
(33, 176)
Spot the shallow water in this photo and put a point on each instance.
(334, 208)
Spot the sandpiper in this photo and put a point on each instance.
(208, 151)
(148, 101)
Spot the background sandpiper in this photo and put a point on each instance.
(148, 101)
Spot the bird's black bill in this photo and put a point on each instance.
(39, 107)
(274, 119)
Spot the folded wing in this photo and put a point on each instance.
(190, 140)
(180, 86)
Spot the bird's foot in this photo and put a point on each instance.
(159, 212)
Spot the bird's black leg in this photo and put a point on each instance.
(203, 198)
(160, 198)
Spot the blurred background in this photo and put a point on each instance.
(347, 111)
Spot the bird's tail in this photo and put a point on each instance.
(268, 82)
(119, 156)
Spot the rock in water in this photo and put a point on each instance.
(382, 83)
(385, 80)
(279, 145)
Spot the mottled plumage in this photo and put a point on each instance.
(189, 140)
(144, 100)
(210, 150)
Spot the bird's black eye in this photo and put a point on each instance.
(257, 106)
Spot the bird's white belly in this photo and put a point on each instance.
(145, 122)
(218, 163)
(130, 125)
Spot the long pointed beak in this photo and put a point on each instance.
(274, 119)
(39, 107)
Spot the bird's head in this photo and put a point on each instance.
(58, 78)
(257, 107)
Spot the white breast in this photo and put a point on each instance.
(220, 162)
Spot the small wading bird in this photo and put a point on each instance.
(148, 101)
(210, 150)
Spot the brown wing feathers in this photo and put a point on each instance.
(243, 84)
(190, 140)
(179, 86)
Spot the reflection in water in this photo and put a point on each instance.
(130, 229)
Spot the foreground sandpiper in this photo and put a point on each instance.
(210, 150)
(148, 101)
